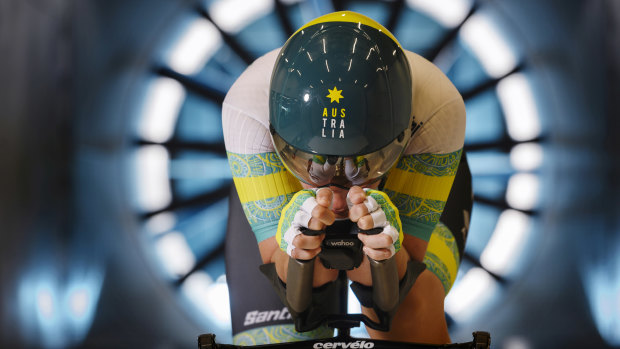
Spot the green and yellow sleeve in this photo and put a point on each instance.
(419, 186)
(264, 187)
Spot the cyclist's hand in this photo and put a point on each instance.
(307, 209)
(372, 208)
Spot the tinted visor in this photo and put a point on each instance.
(345, 171)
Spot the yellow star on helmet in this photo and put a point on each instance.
(334, 95)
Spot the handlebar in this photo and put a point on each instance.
(384, 274)
(481, 340)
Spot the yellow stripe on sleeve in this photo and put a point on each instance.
(449, 258)
(419, 185)
(266, 187)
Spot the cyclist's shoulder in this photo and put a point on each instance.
(438, 108)
(249, 93)
(260, 70)
(420, 65)
(256, 76)
(425, 74)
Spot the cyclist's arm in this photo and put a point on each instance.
(419, 186)
(265, 187)
(420, 318)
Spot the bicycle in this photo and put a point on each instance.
(342, 250)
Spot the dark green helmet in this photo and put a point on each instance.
(340, 101)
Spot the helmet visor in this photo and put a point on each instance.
(320, 170)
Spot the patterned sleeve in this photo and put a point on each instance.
(419, 186)
(264, 187)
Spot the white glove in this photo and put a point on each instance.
(295, 215)
(384, 215)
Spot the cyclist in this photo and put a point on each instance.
(342, 123)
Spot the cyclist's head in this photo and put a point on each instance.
(340, 101)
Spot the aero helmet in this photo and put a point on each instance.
(340, 101)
